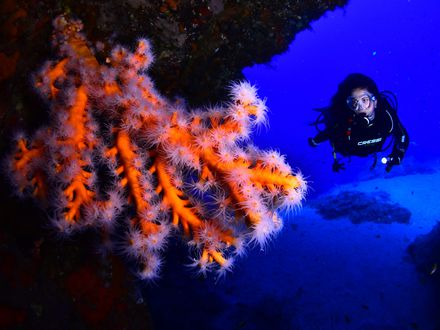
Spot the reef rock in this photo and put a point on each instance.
(424, 252)
(199, 46)
(362, 207)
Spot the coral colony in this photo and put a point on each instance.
(118, 156)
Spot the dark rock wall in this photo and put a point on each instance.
(200, 46)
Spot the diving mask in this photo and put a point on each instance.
(360, 103)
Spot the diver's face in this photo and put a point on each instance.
(363, 102)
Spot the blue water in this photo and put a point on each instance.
(395, 42)
(327, 286)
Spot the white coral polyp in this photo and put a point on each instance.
(244, 93)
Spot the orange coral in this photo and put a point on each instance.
(116, 145)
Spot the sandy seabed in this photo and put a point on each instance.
(323, 274)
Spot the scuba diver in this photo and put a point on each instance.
(358, 122)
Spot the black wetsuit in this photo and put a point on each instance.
(352, 134)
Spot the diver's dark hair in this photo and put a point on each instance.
(338, 108)
(351, 82)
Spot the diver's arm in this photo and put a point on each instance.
(401, 140)
(327, 134)
(327, 117)
(320, 137)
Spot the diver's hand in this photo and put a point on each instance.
(391, 161)
(312, 142)
(338, 165)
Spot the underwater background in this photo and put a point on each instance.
(393, 42)
(362, 252)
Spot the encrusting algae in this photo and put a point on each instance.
(115, 149)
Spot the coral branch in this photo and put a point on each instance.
(117, 149)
